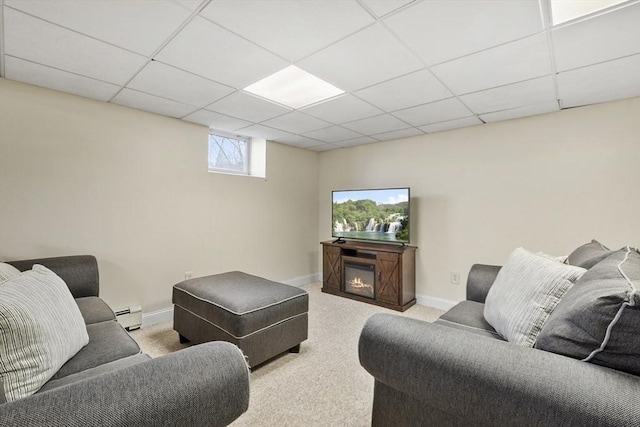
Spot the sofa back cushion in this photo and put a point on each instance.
(525, 292)
(40, 329)
(588, 255)
(79, 272)
(598, 320)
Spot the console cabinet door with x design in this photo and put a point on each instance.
(388, 280)
(331, 268)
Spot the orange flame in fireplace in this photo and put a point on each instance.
(358, 283)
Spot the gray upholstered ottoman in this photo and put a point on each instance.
(262, 317)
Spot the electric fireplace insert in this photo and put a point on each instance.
(359, 279)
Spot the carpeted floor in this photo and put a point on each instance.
(323, 385)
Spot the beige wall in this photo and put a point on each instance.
(547, 183)
(79, 176)
(82, 176)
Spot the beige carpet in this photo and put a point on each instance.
(323, 385)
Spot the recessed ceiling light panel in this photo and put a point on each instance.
(294, 88)
(566, 10)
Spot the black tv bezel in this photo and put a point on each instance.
(388, 242)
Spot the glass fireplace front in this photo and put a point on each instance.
(359, 279)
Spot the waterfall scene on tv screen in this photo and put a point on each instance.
(380, 214)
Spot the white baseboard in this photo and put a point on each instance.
(435, 302)
(303, 280)
(158, 316)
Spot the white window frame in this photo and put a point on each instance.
(255, 158)
(246, 166)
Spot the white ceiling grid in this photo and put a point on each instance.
(407, 67)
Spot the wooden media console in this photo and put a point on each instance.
(375, 273)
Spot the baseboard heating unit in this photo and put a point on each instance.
(130, 318)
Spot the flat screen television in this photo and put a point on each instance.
(380, 214)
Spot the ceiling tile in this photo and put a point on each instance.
(514, 113)
(39, 75)
(434, 112)
(521, 60)
(398, 134)
(536, 91)
(247, 107)
(413, 89)
(291, 29)
(296, 122)
(206, 49)
(47, 44)
(487, 58)
(115, 22)
(368, 57)
(185, 87)
(190, 4)
(600, 83)
(216, 120)
(342, 109)
(384, 7)
(154, 104)
(451, 124)
(604, 37)
(376, 124)
(265, 132)
(332, 134)
(298, 141)
(438, 31)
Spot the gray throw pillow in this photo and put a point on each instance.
(588, 255)
(41, 327)
(598, 320)
(526, 290)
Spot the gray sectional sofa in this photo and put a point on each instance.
(458, 371)
(110, 382)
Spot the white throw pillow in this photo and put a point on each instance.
(525, 292)
(7, 271)
(41, 327)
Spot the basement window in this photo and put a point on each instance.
(237, 155)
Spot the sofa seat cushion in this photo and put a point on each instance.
(98, 370)
(108, 341)
(598, 320)
(94, 310)
(468, 316)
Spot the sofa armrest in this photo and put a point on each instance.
(204, 385)
(480, 279)
(493, 382)
(80, 272)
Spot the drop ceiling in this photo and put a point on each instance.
(407, 67)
